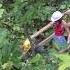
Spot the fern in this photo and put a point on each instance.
(65, 61)
(64, 65)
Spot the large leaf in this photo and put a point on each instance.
(0, 5)
(1, 10)
(3, 35)
(36, 59)
(65, 59)
(63, 66)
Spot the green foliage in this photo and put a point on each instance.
(14, 15)
(64, 66)
(1, 10)
(36, 63)
(65, 58)
(7, 66)
(3, 43)
(36, 59)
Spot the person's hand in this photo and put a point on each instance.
(68, 39)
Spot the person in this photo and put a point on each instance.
(59, 26)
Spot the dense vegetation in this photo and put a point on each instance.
(18, 15)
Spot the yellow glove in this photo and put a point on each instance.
(26, 46)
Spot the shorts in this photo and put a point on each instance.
(59, 42)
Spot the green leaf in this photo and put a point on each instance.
(62, 7)
(0, 5)
(1, 12)
(36, 59)
(63, 66)
(64, 57)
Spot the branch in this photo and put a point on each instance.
(67, 12)
(46, 40)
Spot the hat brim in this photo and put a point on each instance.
(56, 19)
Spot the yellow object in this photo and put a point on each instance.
(26, 46)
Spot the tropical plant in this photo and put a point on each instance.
(34, 14)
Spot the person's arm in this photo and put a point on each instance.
(42, 30)
(67, 29)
